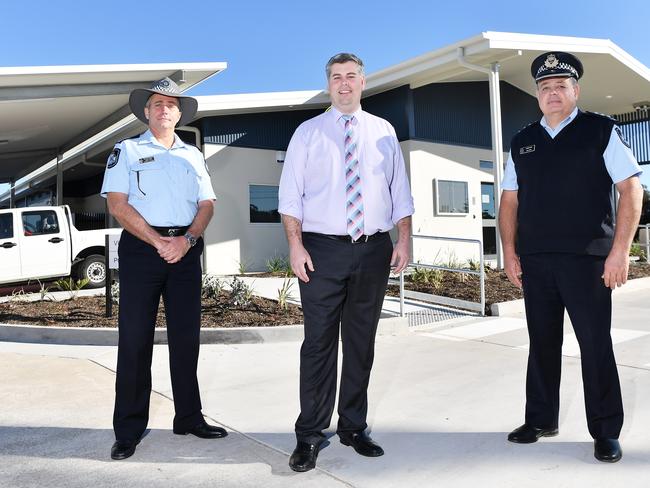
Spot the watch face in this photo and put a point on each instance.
(191, 239)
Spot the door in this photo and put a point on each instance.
(489, 220)
(44, 247)
(9, 250)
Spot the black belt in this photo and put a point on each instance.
(171, 231)
(347, 238)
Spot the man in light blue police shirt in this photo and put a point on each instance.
(159, 190)
(561, 245)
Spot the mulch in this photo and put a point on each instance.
(91, 312)
(262, 312)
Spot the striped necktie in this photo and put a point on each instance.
(354, 200)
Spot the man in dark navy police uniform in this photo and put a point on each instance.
(560, 243)
(159, 190)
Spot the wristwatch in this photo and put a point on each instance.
(190, 238)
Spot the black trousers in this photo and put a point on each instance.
(346, 289)
(551, 283)
(144, 277)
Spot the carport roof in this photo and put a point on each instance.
(47, 110)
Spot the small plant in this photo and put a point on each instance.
(17, 295)
(241, 294)
(115, 292)
(473, 264)
(71, 286)
(637, 251)
(276, 264)
(243, 266)
(211, 286)
(284, 293)
(43, 290)
(427, 276)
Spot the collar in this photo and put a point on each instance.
(337, 114)
(149, 138)
(562, 124)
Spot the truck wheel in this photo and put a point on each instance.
(93, 268)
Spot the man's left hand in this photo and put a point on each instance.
(175, 249)
(616, 267)
(400, 257)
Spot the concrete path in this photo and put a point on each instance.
(442, 400)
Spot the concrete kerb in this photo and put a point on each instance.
(105, 336)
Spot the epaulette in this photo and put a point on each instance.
(598, 115)
(129, 138)
(527, 126)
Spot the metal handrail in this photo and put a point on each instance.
(480, 272)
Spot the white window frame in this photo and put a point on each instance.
(436, 182)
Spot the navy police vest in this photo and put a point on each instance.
(565, 192)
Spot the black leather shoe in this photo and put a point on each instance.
(204, 431)
(362, 443)
(527, 434)
(304, 457)
(123, 449)
(607, 450)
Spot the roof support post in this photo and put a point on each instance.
(12, 194)
(59, 179)
(497, 137)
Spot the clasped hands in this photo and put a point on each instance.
(172, 249)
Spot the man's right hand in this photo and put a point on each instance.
(299, 257)
(513, 269)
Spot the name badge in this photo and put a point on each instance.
(527, 149)
(146, 160)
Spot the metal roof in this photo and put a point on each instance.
(48, 110)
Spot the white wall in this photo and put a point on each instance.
(428, 161)
(230, 238)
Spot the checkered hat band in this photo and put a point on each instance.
(560, 66)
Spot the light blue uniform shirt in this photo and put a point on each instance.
(619, 159)
(164, 185)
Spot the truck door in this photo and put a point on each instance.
(9, 250)
(44, 244)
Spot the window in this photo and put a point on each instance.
(451, 197)
(487, 200)
(489, 165)
(6, 226)
(263, 203)
(40, 222)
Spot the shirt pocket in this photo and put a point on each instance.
(188, 182)
(148, 180)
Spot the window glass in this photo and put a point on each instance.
(489, 240)
(486, 164)
(487, 200)
(40, 222)
(6, 226)
(452, 197)
(263, 203)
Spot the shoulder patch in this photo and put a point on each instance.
(113, 158)
(621, 136)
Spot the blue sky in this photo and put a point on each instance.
(283, 45)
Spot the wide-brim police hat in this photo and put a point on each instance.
(556, 64)
(139, 96)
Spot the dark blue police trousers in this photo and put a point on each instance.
(553, 282)
(144, 277)
(345, 290)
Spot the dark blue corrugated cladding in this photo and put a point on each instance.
(459, 113)
(392, 105)
(270, 130)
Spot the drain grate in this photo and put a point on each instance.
(434, 314)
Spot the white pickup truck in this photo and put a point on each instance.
(42, 243)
